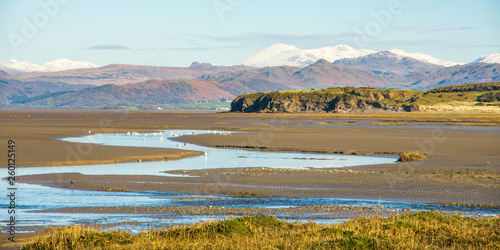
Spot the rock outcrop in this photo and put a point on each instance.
(334, 100)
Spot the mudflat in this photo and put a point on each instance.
(462, 165)
(462, 162)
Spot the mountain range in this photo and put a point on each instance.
(14, 67)
(85, 85)
(282, 54)
(490, 58)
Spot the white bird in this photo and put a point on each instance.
(206, 153)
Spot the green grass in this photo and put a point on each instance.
(429, 98)
(208, 105)
(422, 230)
(124, 107)
(179, 106)
(482, 87)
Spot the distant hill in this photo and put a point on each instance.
(119, 74)
(366, 100)
(490, 58)
(81, 88)
(14, 92)
(274, 77)
(386, 62)
(16, 67)
(456, 75)
(320, 74)
(153, 92)
(325, 74)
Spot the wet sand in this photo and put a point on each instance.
(316, 211)
(462, 163)
(453, 153)
(36, 134)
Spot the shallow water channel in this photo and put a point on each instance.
(31, 198)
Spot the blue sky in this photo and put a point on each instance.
(176, 33)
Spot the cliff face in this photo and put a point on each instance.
(335, 100)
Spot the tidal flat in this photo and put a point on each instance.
(461, 168)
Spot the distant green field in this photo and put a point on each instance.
(126, 107)
(208, 105)
(179, 106)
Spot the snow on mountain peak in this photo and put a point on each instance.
(65, 64)
(282, 54)
(337, 52)
(282, 47)
(423, 57)
(17, 67)
(490, 58)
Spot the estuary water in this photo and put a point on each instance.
(30, 198)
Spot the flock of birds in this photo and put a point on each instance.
(175, 134)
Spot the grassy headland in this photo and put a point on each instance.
(471, 97)
(413, 231)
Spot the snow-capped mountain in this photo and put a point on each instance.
(424, 58)
(15, 67)
(490, 58)
(387, 62)
(338, 52)
(282, 54)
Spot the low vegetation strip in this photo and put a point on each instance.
(403, 156)
(478, 87)
(420, 230)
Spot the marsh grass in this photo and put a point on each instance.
(411, 156)
(420, 230)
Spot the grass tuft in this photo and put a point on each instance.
(411, 156)
(422, 230)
